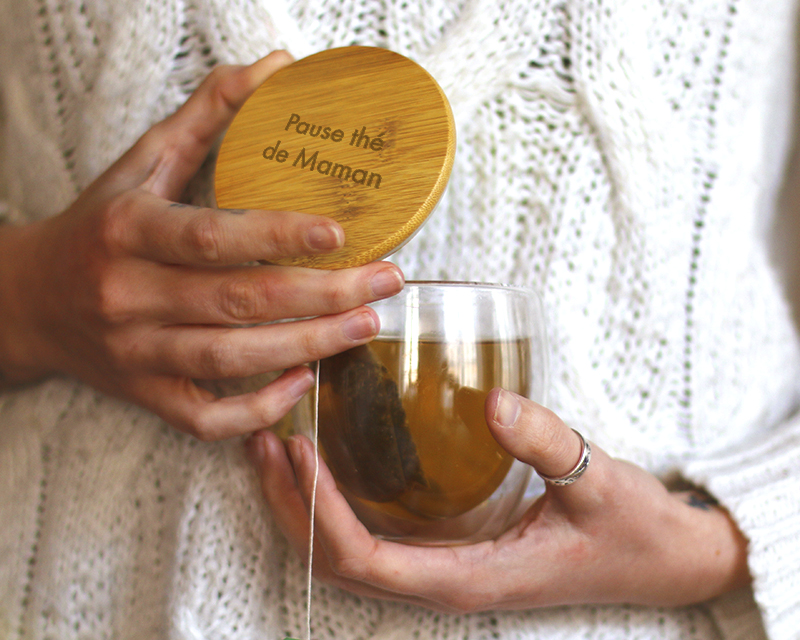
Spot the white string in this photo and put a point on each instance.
(313, 504)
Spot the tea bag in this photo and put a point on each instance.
(363, 430)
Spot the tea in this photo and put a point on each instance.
(402, 426)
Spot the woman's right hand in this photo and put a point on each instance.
(139, 295)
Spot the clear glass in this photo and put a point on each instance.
(402, 422)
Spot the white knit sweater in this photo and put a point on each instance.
(621, 157)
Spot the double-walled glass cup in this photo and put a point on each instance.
(401, 420)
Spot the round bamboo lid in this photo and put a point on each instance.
(362, 135)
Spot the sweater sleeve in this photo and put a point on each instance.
(759, 484)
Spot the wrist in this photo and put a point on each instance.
(720, 548)
(21, 350)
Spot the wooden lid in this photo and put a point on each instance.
(362, 135)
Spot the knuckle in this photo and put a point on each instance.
(358, 567)
(199, 423)
(219, 73)
(216, 358)
(204, 237)
(265, 413)
(243, 300)
(337, 297)
(220, 83)
(309, 344)
(325, 573)
(351, 568)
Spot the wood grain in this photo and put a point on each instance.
(360, 134)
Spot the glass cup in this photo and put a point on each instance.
(401, 420)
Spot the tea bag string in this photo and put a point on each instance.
(311, 515)
(312, 508)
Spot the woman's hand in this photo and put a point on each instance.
(138, 295)
(616, 535)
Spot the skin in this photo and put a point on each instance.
(138, 295)
(616, 535)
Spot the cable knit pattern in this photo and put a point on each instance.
(620, 156)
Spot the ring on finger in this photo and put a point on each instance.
(577, 471)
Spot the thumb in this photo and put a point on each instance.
(191, 131)
(532, 433)
(170, 153)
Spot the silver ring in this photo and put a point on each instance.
(577, 471)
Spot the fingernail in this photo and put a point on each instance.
(299, 387)
(360, 327)
(507, 410)
(324, 237)
(386, 283)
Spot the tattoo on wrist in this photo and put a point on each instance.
(701, 500)
(691, 494)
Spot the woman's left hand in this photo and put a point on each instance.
(616, 535)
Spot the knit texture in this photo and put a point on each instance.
(623, 158)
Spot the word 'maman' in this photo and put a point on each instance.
(312, 162)
(324, 167)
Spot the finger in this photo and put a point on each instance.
(170, 153)
(291, 512)
(279, 486)
(532, 433)
(174, 233)
(537, 436)
(407, 573)
(218, 353)
(250, 295)
(186, 137)
(201, 414)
